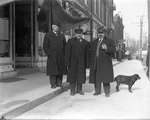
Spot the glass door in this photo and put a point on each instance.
(24, 33)
(5, 39)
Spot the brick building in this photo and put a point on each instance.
(118, 36)
(21, 30)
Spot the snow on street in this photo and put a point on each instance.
(120, 105)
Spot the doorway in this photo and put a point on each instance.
(24, 42)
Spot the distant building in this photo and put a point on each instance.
(118, 36)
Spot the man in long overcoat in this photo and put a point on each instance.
(76, 61)
(54, 47)
(101, 68)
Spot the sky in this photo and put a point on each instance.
(131, 11)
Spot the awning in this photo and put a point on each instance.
(3, 2)
(77, 5)
(86, 10)
(53, 13)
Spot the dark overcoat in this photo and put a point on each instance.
(147, 59)
(101, 68)
(76, 60)
(54, 47)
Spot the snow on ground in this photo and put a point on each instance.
(120, 105)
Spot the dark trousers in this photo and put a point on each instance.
(106, 87)
(147, 73)
(75, 87)
(55, 80)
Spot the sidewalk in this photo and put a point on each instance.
(26, 92)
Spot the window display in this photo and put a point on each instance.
(4, 48)
(4, 32)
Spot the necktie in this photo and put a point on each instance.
(80, 40)
(56, 33)
(98, 46)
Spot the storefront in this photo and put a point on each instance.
(25, 33)
(21, 38)
(6, 55)
(17, 36)
(63, 14)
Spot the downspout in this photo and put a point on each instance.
(50, 15)
(13, 35)
(32, 42)
(91, 22)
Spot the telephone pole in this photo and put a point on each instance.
(141, 34)
(148, 6)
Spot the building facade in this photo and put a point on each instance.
(118, 37)
(21, 37)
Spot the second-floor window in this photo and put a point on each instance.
(95, 6)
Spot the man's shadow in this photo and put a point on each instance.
(89, 88)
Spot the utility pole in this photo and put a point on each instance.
(148, 6)
(141, 34)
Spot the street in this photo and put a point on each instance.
(120, 105)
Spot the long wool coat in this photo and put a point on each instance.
(54, 47)
(77, 60)
(101, 68)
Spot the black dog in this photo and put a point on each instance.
(128, 80)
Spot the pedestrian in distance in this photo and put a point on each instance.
(147, 62)
(76, 62)
(101, 68)
(54, 47)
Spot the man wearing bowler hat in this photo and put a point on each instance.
(76, 61)
(101, 69)
(54, 47)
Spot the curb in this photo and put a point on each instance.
(116, 63)
(9, 74)
(28, 106)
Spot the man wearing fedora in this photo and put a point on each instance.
(76, 61)
(54, 47)
(101, 69)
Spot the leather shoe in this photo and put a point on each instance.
(53, 87)
(96, 94)
(81, 93)
(72, 93)
(59, 85)
(107, 95)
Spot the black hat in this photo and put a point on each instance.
(78, 31)
(58, 25)
(101, 30)
(109, 30)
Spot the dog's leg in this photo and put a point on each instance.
(117, 87)
(129, 88)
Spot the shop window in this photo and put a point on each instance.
(4, 32)
(23, 29)
(4, 48)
